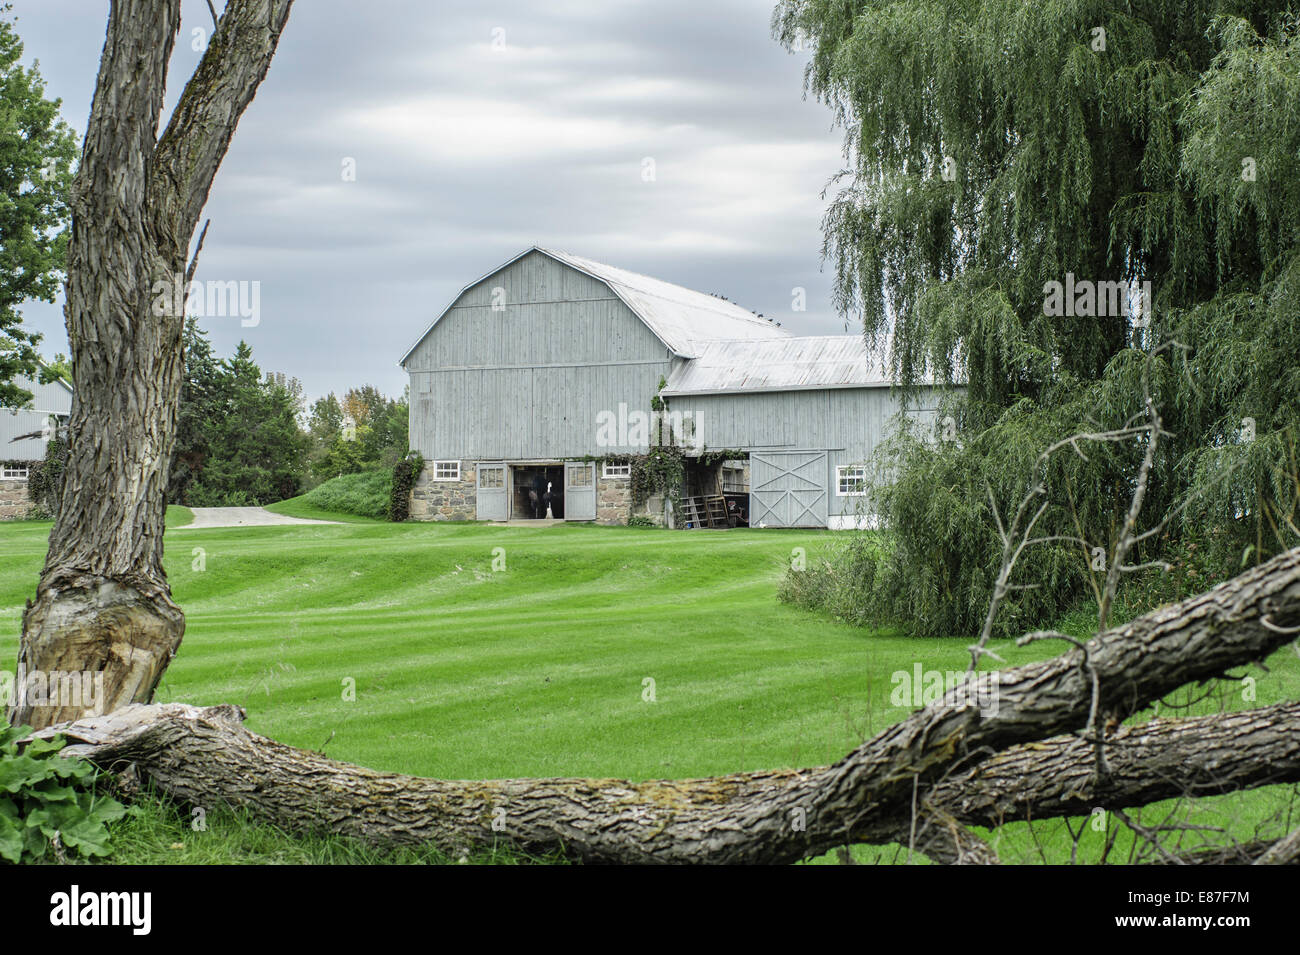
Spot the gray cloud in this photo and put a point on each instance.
(469, 149)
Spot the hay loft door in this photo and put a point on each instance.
(579, 491)
(788, 488)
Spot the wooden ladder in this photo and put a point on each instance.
(694, 513)
(710, 511)
(717, 511)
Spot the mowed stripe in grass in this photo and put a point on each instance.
(541, 668)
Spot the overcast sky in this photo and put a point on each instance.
(479, 128)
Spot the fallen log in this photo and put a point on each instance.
(205, 756)
(208, 756)
(1161, 759)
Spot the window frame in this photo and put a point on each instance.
(438, 466)
(578, 467)
(6, 475)
(841, 477)
(607, 471)
(733, 479)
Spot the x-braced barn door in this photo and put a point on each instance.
(493, 499)
(579, 491)
(788, 488)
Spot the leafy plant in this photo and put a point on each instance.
(659, 472)
(405, 474)
(367, 494)
(45, 477)
(48, 803)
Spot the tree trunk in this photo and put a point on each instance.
(881, 792)
(103, 604)
(1161, 759)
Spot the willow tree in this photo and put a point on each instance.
(996, 148)
(103, 603)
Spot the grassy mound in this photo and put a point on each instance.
(365, 495)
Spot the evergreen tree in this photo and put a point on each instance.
(201, 405)
(255, 452)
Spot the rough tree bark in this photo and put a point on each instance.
(103, 603)
(206, 756)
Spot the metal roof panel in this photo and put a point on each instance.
(777, 364)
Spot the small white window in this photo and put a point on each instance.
(446, 470)
(616, 470)
(850, 481)
(12, 472)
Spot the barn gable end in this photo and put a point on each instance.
(534, 310)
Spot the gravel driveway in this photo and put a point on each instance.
(242, 517)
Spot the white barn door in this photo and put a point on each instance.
(493, 495)
(788, 488)
(579, 491)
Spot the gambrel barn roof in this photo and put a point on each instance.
(684, 320)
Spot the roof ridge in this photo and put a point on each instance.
(716, 301)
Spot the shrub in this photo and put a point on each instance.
(838, 581)
(934, 575)
(405, 473)
(45, 478)
(366, 494)
(48, 803)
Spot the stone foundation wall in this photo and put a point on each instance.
(445, 500)
(613, 499)
(14, 505)
(457, 500)
(654, 509)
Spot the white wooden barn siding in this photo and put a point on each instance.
(528, 382)
(847, 423)
(54, 398)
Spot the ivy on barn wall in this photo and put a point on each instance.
(45, 477)
(405, 473)
(662, 470)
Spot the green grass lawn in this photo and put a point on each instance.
(539, 665)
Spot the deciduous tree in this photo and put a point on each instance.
(103, 602)
(36, 154)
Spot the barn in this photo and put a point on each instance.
(553, 373)
(24, 433)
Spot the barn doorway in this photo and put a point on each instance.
(529, 498)
(788, 488)
(715, 495)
